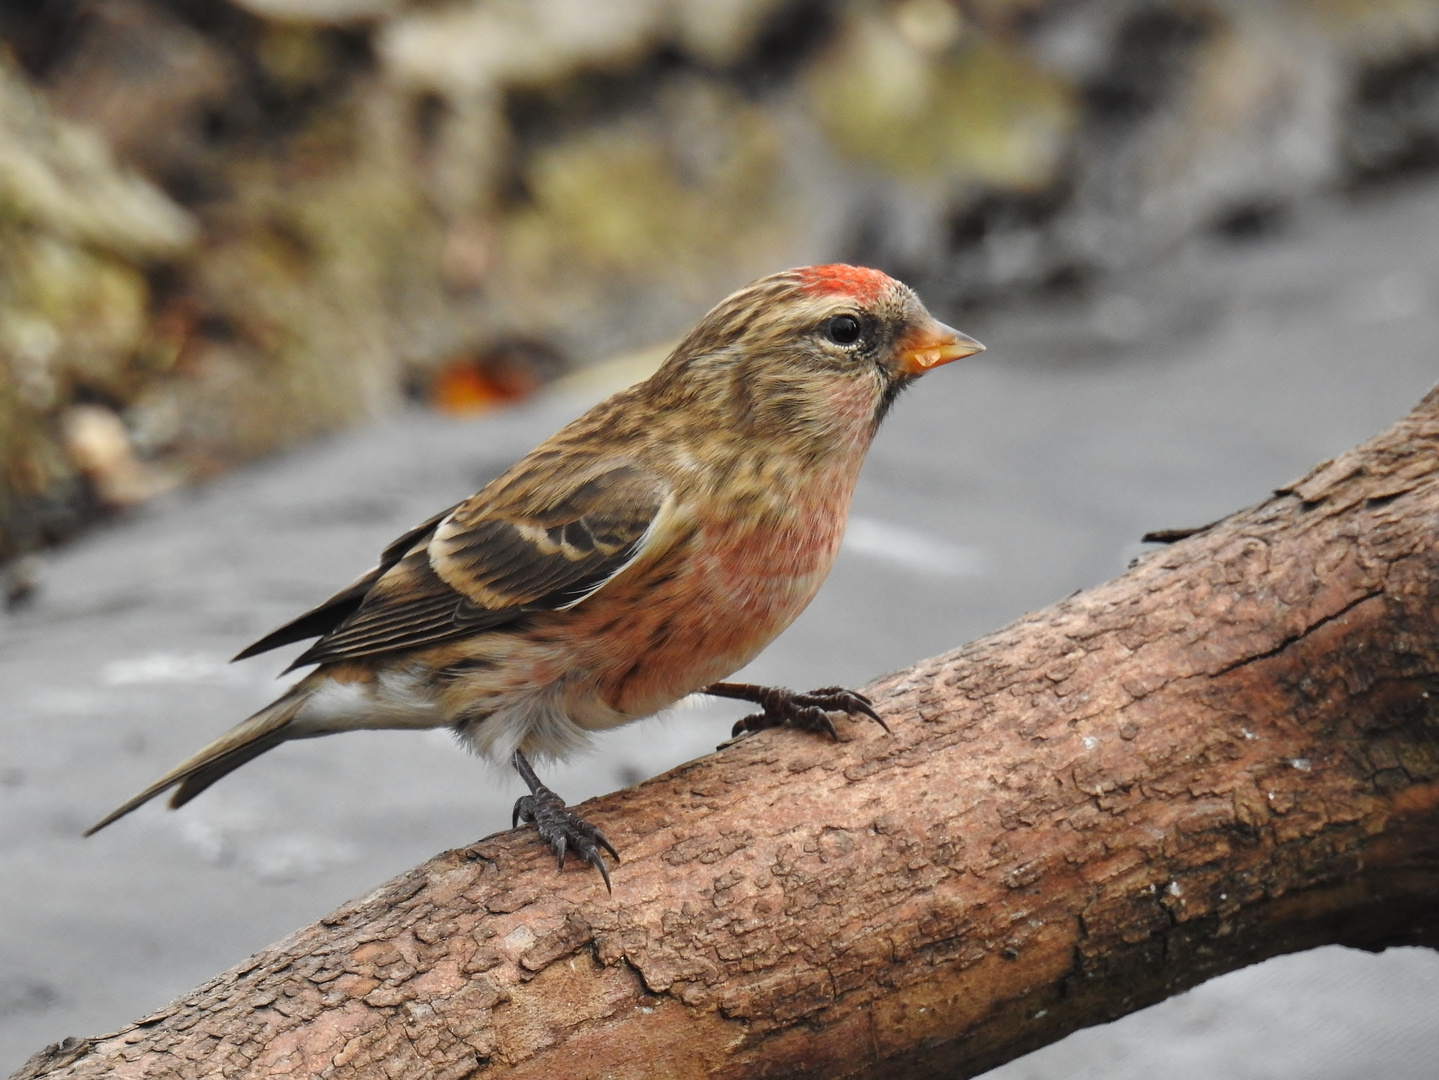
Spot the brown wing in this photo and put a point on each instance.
(531, 545)
(493, 559)
(324, 618)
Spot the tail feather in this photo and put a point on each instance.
(207, 774)
(244, 742)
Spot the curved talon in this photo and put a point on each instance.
(839, 699)
(603, 841)
(813, 718)
(595, 859)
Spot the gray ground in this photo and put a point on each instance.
(997, 487)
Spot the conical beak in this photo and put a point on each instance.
(933, 345)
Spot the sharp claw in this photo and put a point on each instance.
(604, 843)
(867, 709)
(598, 862)
(852, 701)
(559, 827)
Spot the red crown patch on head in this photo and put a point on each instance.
(860, 282)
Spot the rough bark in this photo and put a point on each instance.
(1228, 753)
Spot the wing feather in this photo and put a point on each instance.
(521, 552)
(325, 617)
(484, 564)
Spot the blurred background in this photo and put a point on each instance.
(373, 250)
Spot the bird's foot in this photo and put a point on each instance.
(558, 825)
(785, 708)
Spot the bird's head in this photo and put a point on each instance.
(817, 352)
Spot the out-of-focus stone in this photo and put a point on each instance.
(1248, 119)
(628, 223)
(908, 91)
(63, 180)
(151, 84)
(931, 26)
(1375, 31)
(75, 233)
(1258, 125)
(721, 32)
(99, 445)
(462, 58)
(390, 188)
(468, 49)
(322, 11)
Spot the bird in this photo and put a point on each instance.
(643, 553)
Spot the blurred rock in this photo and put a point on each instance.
(627, 228)
(379, 194)
(62, 179)
(153, 85)
(98, 444)
(76, 235)
(1393, 118)
(721, 33)
(1201, 115)
(910, 91)
(19, 583)
(1195, 116)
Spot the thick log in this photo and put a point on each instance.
(1228, 753)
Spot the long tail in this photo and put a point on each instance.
(244, 742)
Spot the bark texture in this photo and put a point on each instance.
(1228, 753)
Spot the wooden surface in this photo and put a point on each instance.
(1228, 753)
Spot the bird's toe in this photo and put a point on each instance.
(839, 699)
(565, 831)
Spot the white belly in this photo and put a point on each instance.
(536, 720)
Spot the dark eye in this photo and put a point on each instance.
(842, 329)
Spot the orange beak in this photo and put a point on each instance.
(933, 345)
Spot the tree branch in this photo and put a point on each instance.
(1228, 753)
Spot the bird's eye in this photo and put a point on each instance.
(842, 329)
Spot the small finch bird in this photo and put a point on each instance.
(650, 548)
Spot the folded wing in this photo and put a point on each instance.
(488, 561)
